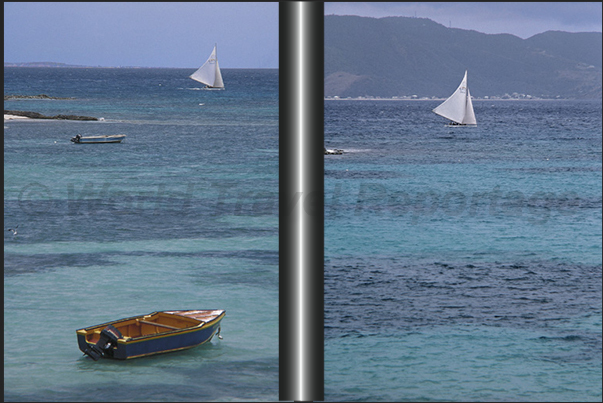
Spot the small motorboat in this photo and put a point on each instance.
(155, 333)
(333, 151)
(113, 138)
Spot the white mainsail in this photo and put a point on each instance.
(458, 107)
(209, 74)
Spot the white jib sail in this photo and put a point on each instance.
(209, 74)
(458, 107)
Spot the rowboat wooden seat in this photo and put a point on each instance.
(157, 324)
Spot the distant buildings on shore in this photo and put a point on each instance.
(513, 96)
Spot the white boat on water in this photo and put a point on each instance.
(334, 151)
(209, 74)
(458, 108)
(114, 138)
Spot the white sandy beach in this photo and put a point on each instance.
(14, 117)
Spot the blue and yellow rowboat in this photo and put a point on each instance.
(155, 333)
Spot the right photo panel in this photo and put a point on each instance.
(462, 182)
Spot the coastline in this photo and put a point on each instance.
(11, 115)
(15, 117)
(443, 99)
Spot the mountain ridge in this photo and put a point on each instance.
(405, 56)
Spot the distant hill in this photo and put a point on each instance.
(41, 64)
(63, 65)
(402, 56)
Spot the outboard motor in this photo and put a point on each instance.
(105, 344)
(77, 138)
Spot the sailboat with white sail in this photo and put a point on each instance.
(458, 108)
(209, 74)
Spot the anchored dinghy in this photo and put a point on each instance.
(155, 333)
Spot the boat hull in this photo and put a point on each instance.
(454, 124)
(333, 152)
(99, 139)
(161, 339)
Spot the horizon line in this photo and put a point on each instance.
(66, 65)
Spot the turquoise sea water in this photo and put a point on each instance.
(460, 264)
(182, 215)
(463, 264)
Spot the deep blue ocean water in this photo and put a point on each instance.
(463, 264)
(182, 215)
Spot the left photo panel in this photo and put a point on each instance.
(141, 201)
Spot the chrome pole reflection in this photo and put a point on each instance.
(301, 201)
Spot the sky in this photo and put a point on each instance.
(519, 19)
(182, 34)
(170, 34)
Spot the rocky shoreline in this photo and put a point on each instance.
(40, 96)
(36, 115)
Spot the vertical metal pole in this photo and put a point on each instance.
(301, 201)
